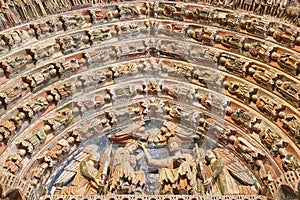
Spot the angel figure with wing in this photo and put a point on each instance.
(85, 173)
(84, 182)
(225, 175)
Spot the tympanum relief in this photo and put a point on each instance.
(141, 99)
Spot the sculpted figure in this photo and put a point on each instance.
(207, 78)
(219, 17)
(99, 35)
(8, 38)
(131, 50)
(20, 7)
(12, 94)
(32, 142)
(65, 4)
(247, 4)
(18, 119)
(293, 12)
(174, 111)
(3, 46)
(201, 34)
(232, 22)
(31, 10)
(15, 64)
(192, 14)
(128, 11)
(219, 179)
(3, 21)
(230, 4)
(67, 44)
(284, 35)
(12, 19)
(41, 77)
(289, 161)
(230, 41)
(263, 76)
(292, 125)
(289, 90)
(271, 140)
(249, 152)
(13, 39)
(275, 7)
(55, 25)
(30, 109)
(267, 106)
(13, 163)
(43, 52)
(259, 6)
(40, 30)
(59, 119)
(241, 91)
(126, 178)
(85, 105)
(214, 103)
(25, 35)
(37, 173)
(245, 119)
(104, 15)
(41, 10)
(268, 7)
(234, 64)
(257, 50)
(288, 62)
(7, 128)
(61, 148)
(61, 92)
(266, 174)
(177, 172)
(69, 66)
(85, 181)
(73, 21)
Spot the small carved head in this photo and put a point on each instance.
(174, 144)
(131, 145)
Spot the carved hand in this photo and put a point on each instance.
(99, 182)
(207, 182)
(142, 145)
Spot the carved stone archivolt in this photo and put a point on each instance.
(149, 99)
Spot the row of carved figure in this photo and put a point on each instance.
(282, 9)
(13, 13)
(275, 31)
(31, 109)
(270, 79)
(17, 12)
(245, 93)
(180, 173)
(278, 57)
